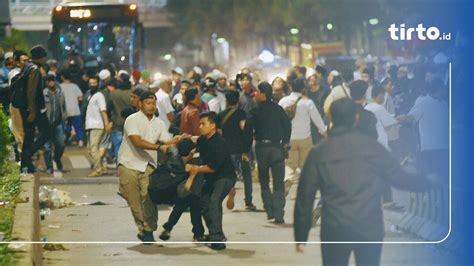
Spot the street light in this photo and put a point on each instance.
(294, 31)
(167, 57)
(266, 57)
(373, 21)
(329, 26)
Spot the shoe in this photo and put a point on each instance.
(146, 236)
(95, 174)
(316, 216)
(279, 221)
(250, 207)
(270, 217)
(165, 235)
(288, 184)
(230, 199)
(80, 143)
(59, 165)
(203, 238)
(49, 171)
(216, 246)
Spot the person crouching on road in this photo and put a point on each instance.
(219, 174)
(144, 134)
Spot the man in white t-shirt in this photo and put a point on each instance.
(432, 114)
(73, 95)
(144, 134)
(97, 123)
(305, 115)
(385, 120)
(163, 103)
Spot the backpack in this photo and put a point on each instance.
(175, 125)
(18, 87)
(165, 179)
(291, 109)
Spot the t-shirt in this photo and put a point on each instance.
(432, 116)
(215, 154)
(234, 136)
(150, 130)
(163, 103)
(96, 105)
(384, 121)
(119, 101)
(71, 92)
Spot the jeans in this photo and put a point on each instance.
(30, 145)
(181, 205)
(213, 194)
(272, 157)
(58, 138)
(244, 167)
(76, 122)
(117, 136)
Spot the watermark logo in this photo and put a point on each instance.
(432, 33)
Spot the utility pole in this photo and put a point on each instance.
(5, 19)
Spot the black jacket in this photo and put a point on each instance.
(350, 169)
(165, 179)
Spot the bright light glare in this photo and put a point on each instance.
(294, 31)
(329, 26)
(167, 57)
(266, 57)
(373, 21)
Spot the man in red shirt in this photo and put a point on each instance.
(190, 114)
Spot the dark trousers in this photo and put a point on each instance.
(76, 122)
(58, 139)
(272, 157)
(244, 167)
(30, 145)
(213, 194)
(181, 205)
(338, 254)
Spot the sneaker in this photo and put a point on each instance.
(202, 238)
(146, 236)
(250, 207)
(165, 235)
(230, 199)
(49, 171)
(279, 221)
(288, 184)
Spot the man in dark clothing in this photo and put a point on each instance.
(349, 169)
(219, 173)
(119, 100)
(55, 102)
(34, 115)
(233, 125)
(247, 100)
(175, 162)
(272, 130)
(367, 121)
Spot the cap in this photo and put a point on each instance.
(136, 74)
(178, 70)
(38, 52)
(145, 74)
(104, 74)
(147, 95)
(8, 55)
(197, 70)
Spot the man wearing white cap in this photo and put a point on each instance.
(177, 75)
(4, 86)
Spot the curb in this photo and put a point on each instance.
(26, 226)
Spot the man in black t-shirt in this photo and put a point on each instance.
(219, 174)
(233, 123)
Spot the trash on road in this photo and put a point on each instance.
(54, 198)
(52, 226)
(54, 247)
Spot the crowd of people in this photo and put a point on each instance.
(344, 132)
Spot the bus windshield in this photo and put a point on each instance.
(97, 41)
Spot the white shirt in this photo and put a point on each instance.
(220, 97)
(306, 112)
(393, 131)
(96, 105)
(214, 105)
(178, 98)
(384, 121)
(71, 93)
(163, 103)
(12, 74)
(150, 130)
(432, 116)
(338, 92)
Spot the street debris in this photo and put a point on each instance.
(51, 226)
(54, 198)
(54, 247)
(4, 203)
